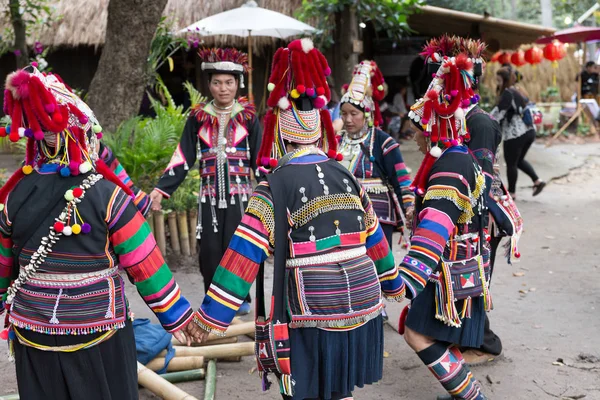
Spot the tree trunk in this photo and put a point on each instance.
(118, 85)
(20, 45)
(344, 57)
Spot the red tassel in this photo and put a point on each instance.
(10, 184)
(16, 117)
(329, 132)
(306, 71)
(108, 174)
(29, 151)
(279, 79)
(297, 69)
(8, 102)
(318, 74)
(420, 181)
(268, 138)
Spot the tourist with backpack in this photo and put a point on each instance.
(518, 129)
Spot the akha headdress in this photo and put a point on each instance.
(298, 94)
(366, 90)
(436, 49)
(225, 61)
(42, 107)
(441, 113)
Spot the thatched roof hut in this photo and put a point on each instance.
(83, 22)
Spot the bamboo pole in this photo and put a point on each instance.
(226, 340)
(211, 380)
(150, 220)
(184, 239)
(250, 91)
(193, 221)
(184, 376)
(177, 363)
(160, 387)
(218, 351)
(159, 226)
(238, 321)
(172, 219)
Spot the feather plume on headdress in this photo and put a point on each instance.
(216, 55)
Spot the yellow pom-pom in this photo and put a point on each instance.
(1, 207)
(69, 195)
(270, 86)
(27, 169)
(380, 87)
(76, 229)
(295, 94)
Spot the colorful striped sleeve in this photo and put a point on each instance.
(397, 173)
(6, 266)
(446, 202)
(233, 279)
(139, 256)
(379, 251)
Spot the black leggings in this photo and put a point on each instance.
(514, 155)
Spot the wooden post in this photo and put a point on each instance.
(177, 363)
(218, 351)
(184, 239)
(193, 221)
(159, 227)
(172, 218)
(160, 387)
(250, 93)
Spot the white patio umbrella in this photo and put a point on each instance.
(247, 21)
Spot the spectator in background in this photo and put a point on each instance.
(589, 80)
(517, 134)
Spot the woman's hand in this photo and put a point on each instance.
(156, 198)
(191, 332)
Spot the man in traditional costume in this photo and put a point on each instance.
(372, 155)
(223, 135)
(72, 225)
(450, 292)
(324, 334)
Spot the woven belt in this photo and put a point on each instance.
(70, 280)
(330, 258)
(374, 185)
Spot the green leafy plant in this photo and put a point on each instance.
(387, 16)
(163, 46)
(551, 93)
(144, 146)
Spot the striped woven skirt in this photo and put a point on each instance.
(107, 371)
(328, 365)
(421, 319)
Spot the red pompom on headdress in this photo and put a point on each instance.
(41, 104)
(298, 94)
(366, 90)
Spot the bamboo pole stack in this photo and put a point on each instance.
(175, 245)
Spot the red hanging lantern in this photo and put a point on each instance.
(534, 55)
(554, 51)
(504, 58)
(518, 58)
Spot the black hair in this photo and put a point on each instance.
(589, 64)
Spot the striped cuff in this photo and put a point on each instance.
(165, 194)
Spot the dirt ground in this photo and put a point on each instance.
(547, 316)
